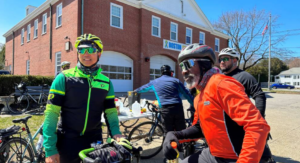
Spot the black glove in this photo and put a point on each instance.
(168, 151)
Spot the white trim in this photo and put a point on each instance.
(56, 54)
(57, 16)
(28, 67)
(36, 27)
(44, 22)
(121, 15)
(203, 36)
(176, 31)
(218, 44)
(191, 41)
(32, 15)
(159, 26)
(22, 36)
(28, 32)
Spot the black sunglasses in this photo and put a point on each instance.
(225, 59)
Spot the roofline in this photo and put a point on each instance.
(30, 16)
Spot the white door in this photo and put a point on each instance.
(119, 68)
(155, 64)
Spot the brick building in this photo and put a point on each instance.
(138, 36)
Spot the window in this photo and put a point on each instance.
(22, 36)
(174, 28)
(44, 27)
(217, 44)
(27, 11)
(277, 77)
(188, 35)
(295, 83)
(202, 38)
(288, 83)
(35, 32)
(287, 76)
(154, 73)
(295, 77)
(116, 72)
(116, 16)
(57, 62)
(298, 83)
(58, 15)
(28, 32)
(28, 67)
(155, 26)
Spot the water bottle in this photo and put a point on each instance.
(39, 144)
(174, 146)
(136, 109)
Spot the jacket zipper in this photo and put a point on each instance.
(90, 79)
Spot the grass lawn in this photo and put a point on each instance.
(281, 91)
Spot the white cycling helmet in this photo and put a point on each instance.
(231, 52)
(64, 63)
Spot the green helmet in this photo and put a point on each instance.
(89, 38)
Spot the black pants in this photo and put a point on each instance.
(173, 117)
(69, 146)
(205, 156)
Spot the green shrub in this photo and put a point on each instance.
(7, 82)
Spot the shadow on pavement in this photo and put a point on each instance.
(279, 159)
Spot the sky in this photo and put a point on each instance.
(13, 11)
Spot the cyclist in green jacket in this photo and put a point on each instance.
(79, 96)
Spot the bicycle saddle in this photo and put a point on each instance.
(22, 120)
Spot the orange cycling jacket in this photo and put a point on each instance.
(231, 124)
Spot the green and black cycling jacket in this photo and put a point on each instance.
(80, 100)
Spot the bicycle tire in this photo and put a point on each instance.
(13, 150)
(20, 104)
(128, 123)
(44, 100)
(150, 147)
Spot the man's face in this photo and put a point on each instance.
(227, 63)
(191, 75)
(66, 67)
(88, 59)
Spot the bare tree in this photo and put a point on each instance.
(295, 62)
(246, 28)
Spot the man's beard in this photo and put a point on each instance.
(225, 70)
(192, 81)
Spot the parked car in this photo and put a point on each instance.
(4, 72)
(282, 85)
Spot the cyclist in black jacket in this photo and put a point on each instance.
(228, 59)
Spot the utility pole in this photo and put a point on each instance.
(269, 76)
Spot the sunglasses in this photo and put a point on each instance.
(188, 64)
(90, 50)
(225, 59)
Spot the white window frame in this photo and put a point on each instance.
(28, 67)
(176, 31)
(28, 32)
(22, 36)
(203, 37)
(121, 15)
(44, 23)
(217, 40)
(155, 17)
(191, 37)
(36, 27)
(56, 62)
(57, 16)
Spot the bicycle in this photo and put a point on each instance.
(18, 149)
(21, 103)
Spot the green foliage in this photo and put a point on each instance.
(7, 82)
(261, 68)
(2, 57)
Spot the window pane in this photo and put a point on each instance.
(155, 22)
(128, 69)
(151, 71)
(120, 76)
(188, 40)
(157, 71)
(173, 27)
(116, 21)
(173, 36)
(188, 32)
(155, 31)
(59, 20)
(151, 77)
(113, 68)
(112, 76)
(217, 48)
(127, 76)
(157, 76)
(201, 42)
(104, 67)
(45, 28)
(121, 69)
(116, 11)
(104, 73)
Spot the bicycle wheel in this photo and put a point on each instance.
(44, 99)
(140, 136)
(20, 104)
(14, 150)
(129, 123)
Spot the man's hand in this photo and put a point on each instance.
(168, 151)
(53, 159)
(118, 136)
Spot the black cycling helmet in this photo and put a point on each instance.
(165, 70)
(197, 51)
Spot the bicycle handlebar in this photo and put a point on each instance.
(154, 108)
